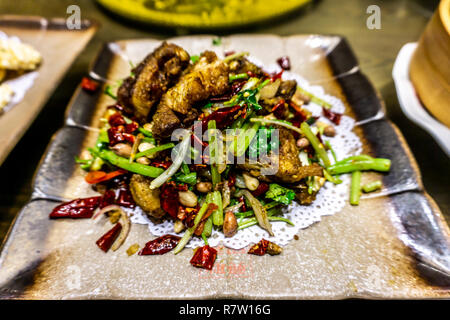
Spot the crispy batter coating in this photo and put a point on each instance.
(290, 169)
(152, 78)
(146, 198)
(209, 77)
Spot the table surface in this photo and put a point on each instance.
(402, 21)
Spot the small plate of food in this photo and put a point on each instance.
(33, 59)
(192, 168)
(17, 62)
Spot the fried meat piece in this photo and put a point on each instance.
(152, 78)
(290, 169)
(146, 198)
(207, 78)
(242, 65)
(302, 195)
(287, 89)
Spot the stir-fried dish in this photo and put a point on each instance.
(212, 144)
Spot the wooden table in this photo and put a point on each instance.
(402, 21)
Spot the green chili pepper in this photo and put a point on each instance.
(239, 76)
(355, 189)
(315, 143)
(155, 149)
(372, 186)
(124, 163)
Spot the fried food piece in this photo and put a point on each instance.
(287, 89)
(290, 169)
(146, 198)
(302, 195)
(152, 77)
(15, 55)
(285, 92)
(242, 65)
(208, 77)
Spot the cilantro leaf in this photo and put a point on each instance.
(280, 194)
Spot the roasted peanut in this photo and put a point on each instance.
(250, 182)
(329, 131)
(302, 143)
(229, 224)
(143, 160)
(143, 146)
(178, 226)
(122, 149)
(204, 187)
(187, 198)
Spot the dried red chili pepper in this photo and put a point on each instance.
(106, 241)
(229, 53)
(76, 209)
(121, 197)
(120, 130)
(124, 198)
(189, 215)
(160, 245)
(237, 85)
(332, 116)
(109, 198)
(116, 119)
(279, 109)
(204, 257)
(284, 63)
(276, 76)
(262, 189)
(299, 114)
(161, 164)
(259, 248)
(231, 180)
(89, 84)
(223, 117)
(119, 134)
(169, 199)
(244, 206)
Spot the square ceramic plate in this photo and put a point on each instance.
(52, 39)
(395, 244)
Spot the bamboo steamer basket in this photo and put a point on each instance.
(430, 65)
